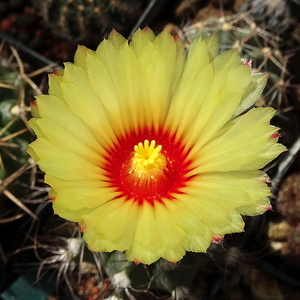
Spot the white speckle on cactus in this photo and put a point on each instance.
(113, 298)
(74, 247)
(180, 293)
(247, 62)
(121, 280)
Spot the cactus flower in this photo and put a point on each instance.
(153, 152)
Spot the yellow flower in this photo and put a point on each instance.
(152, 152)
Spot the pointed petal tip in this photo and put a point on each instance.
(276, 135)
(58, 72)
(33, 103)
(82, 227)
(267, 181)
(217, 239)
(176, 37)
(268, 208)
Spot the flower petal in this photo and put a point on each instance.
(153, 154)
(236, 147)
(60, 163)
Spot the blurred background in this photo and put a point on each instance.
(43, 256)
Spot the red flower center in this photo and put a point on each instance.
(147, 165)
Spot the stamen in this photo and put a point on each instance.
(147, 159)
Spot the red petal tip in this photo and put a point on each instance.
(275, 135)
(176, 37)
(248, 62)
(82, 228)
(267, 181)
(55, 71)
(217, 239)
(268, 208)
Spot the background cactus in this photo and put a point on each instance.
(274, 15)
(15, 165)
(288, 201)
(89, 21)
(17, 171)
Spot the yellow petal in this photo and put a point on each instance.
(233, 222)
(239, 146)
(197, 234)
(257, 208)
(119, 94)
(113, 235)
(55, 109)
(141, 38)
(61, 163)
(61, 138)
(229, 189)
(203, 205)
(59, 184)
(79, 198)
(71, 215)
(54, 85)
(81, 54)
(252, 92)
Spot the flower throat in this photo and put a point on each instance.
(147, 169)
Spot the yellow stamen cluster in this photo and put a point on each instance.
(147, 159)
